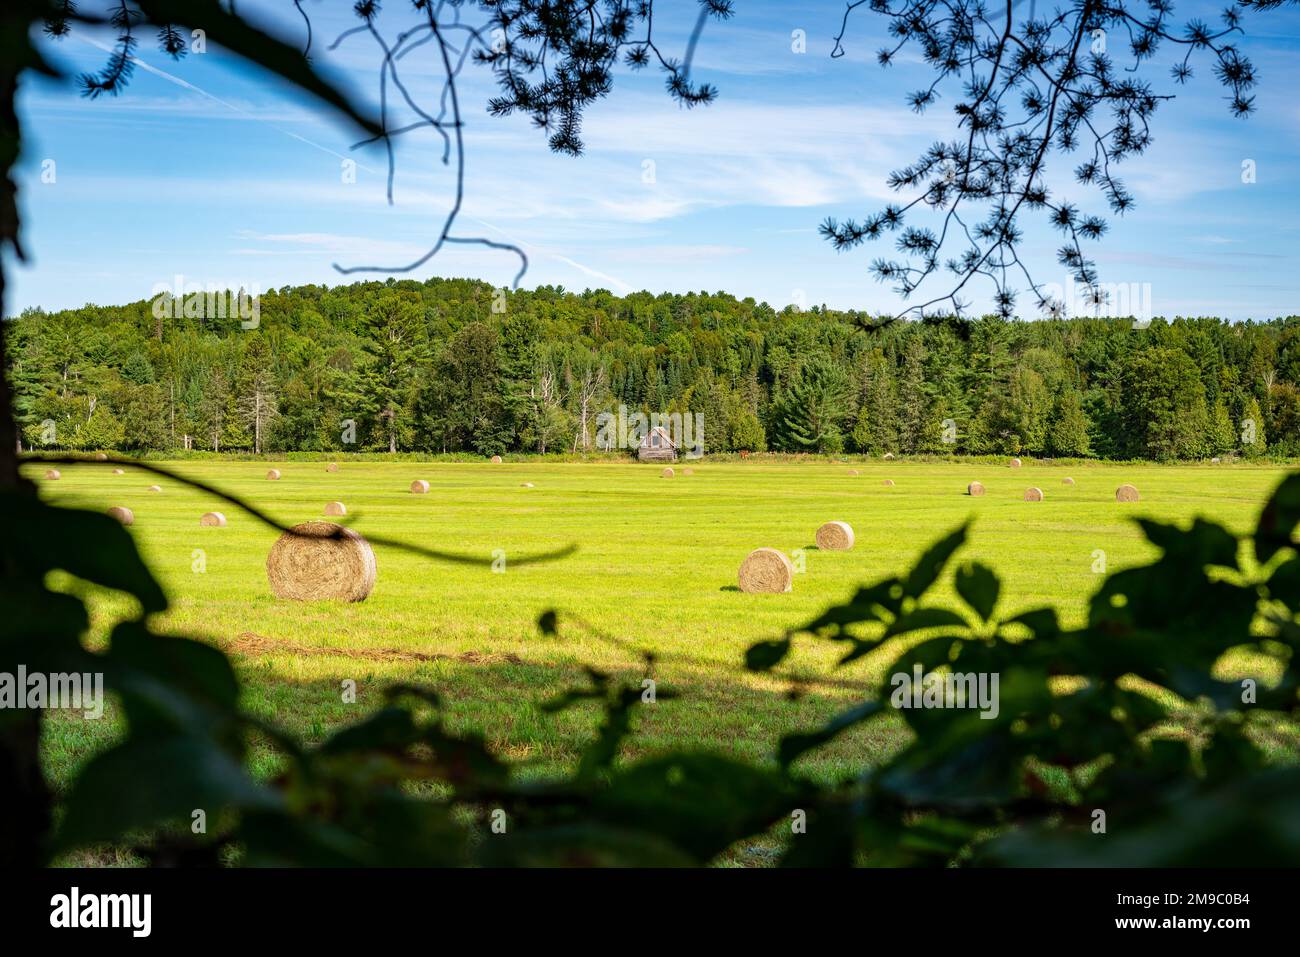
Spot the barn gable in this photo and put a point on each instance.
(657, 446)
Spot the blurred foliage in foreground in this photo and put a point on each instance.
(1112, 744)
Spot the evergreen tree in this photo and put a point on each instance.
(1030, 410)
(137, 369)
(1253, 441)
(916, 428)
(813, 410)
(395, 344)
(214, 408)
(746, 431)
(876, 428)
(1069, 432)
(1222, 437)
(255, 389)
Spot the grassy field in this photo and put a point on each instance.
(655, 568)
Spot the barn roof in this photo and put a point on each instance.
(665, 441)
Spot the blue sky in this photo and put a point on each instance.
(208, 170)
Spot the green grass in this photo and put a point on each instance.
(655, 568)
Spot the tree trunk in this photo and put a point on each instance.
(257, 422)
(25, 804)
(24, 796)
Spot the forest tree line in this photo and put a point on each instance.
(454, 365)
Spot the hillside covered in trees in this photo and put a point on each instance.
(454, 365)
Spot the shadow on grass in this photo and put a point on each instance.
(692, 710)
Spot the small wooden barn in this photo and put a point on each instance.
(657, 446)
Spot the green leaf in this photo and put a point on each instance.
(979, 587)
(972, 771)
(396, 692)
(465, 761)
(1042, 622)
(1278, 519)
(766, 655)
(43, 537)
(275, 839)
(701, 803)
(567, 699)
(832, 837)
(864, 606)
(174, 683)
(600, 754)
(794, 745)
(1247, 822)
(1231, 756)
(921, 618)
(937, 839)
(931, 564)
(1205, 543)
(148, 781)
(386, 730)
(1284, 583)
(364, 827)
(41, 628)
(859, 648)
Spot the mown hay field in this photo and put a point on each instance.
(655, 570)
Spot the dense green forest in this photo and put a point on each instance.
(454, 365)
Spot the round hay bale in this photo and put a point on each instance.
(835, 537)
(212, 520)
(101, 456)
(419, 487)
(688, 471)
(854, 472)
(526, 485)
(321, 561)
(53, 474)
(273, 475)
(975, 489)
(888, 483)
(122, 514)
(888, 455)
(1127, 493)
(667, 473)
(1033, 494)
(335, 508)
(496, 460)
(766, 571)
(1215, 461)
(155, 488)
(1014, 463)
(119, 472)
(332, 467)
(1067, 481)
